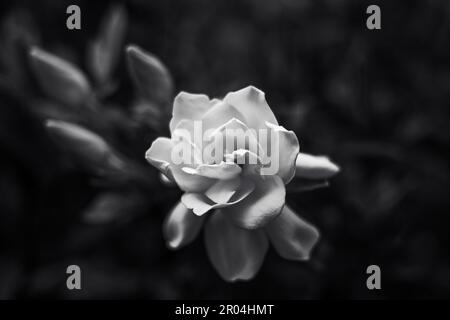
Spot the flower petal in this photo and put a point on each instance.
(181, 226)
(198, 202)
(243, 156)
(315, 167)
(185, 151)
(251, 102)
(201, 203)
(189, 106)
(220, 114)
(251, 162)
(190, 182)
(292, 237)
(235, 253)
(223, 170)
(184, 130)
(262, 205)
(159, 154)
(223, 190)
(237, 135)
(284, 149)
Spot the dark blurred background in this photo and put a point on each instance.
(375, 101)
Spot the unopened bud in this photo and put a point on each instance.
(107, 47)
(58, 78)
(150, 75)
(87, 145)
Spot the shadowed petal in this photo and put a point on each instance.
(262, 205)
(251, 102)
(181, 226)
(236, 254)
(223, 190)
(292, 237)
(315, 167)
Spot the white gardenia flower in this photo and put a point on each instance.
(235, 190)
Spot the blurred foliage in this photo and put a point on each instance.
(374, 101)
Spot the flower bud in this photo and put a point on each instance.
(106, 49)
(150, 75)
(92, 149)
(58, 78)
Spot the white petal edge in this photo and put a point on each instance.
(218, 115)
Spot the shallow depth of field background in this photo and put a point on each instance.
(376, 102)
